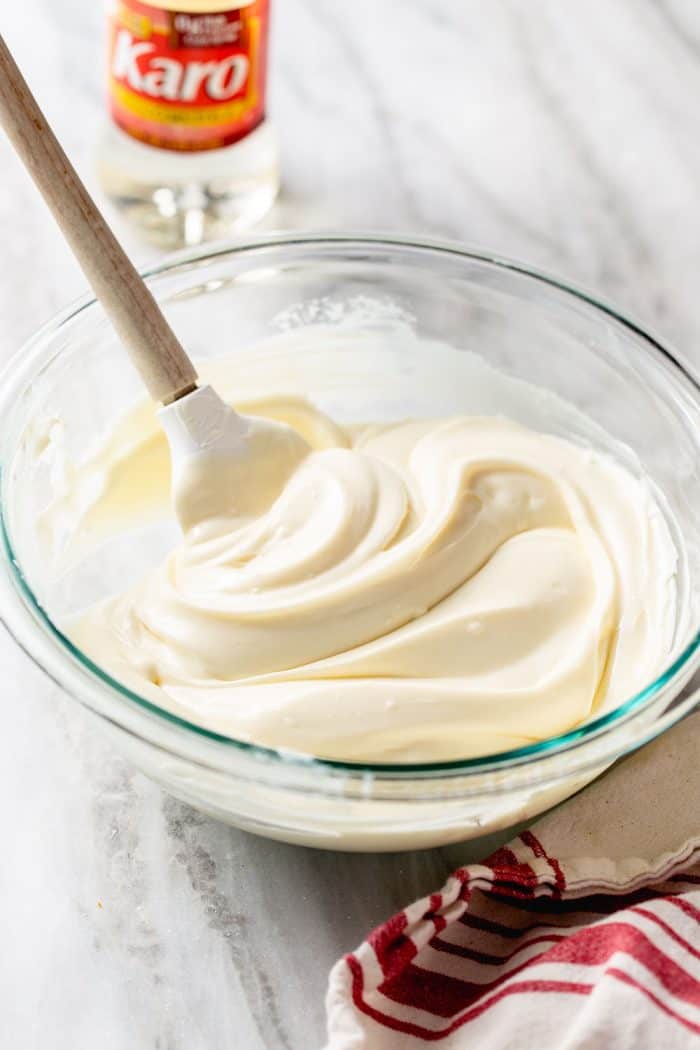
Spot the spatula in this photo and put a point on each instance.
(210, 443)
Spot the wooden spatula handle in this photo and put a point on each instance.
(154, 349)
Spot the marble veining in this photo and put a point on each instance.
(567, 135)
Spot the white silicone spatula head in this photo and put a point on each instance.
(225, 464)
(199, 425)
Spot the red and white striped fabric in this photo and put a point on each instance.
(583, 932)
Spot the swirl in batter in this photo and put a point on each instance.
(415, 591)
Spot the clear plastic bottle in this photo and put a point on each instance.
(187, 154)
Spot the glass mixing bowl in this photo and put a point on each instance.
(502, 328)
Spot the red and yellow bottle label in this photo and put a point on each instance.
(184, 80)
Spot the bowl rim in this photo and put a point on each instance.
(572, 739)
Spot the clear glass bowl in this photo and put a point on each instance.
(624, 390)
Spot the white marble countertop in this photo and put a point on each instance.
(564, 134)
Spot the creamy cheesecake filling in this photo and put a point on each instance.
(414, 591)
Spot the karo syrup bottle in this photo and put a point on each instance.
(188, 154)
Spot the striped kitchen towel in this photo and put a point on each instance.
(583, 932)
